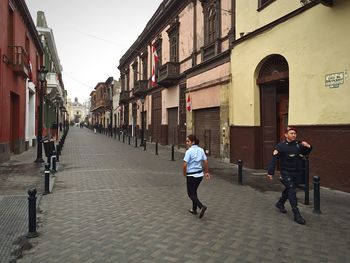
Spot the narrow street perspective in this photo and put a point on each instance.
(174, 131)
(112, 202)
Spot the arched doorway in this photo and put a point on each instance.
(274, 98)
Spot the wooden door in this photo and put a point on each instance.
(156, 116)
(172, 126)
(14, 121)
(268, 122)
(207, 130)
(282, 107)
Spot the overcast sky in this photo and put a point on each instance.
(92, 36)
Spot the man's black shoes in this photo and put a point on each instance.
(280, 206)
(297, 216)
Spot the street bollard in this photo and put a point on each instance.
(32, 213)
(47, 180)
(129, 140)
(144, 145)
(317, 209)
(123, 137)
(240, 172)
(119, 136)
(53, 158)
(306, 172)
(172, 153)
(58, 153)
(156, 148)
(135, 142)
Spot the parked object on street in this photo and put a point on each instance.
(290, 153)
(317, 202)
(32, 213)
(49, 147)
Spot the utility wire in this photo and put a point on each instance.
(76, 80)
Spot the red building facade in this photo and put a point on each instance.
(21, 55)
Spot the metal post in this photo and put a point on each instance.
(129, 139)
(142, 121)
(47, 180)
(240, 173)
(144, 145)
(307, 188)
(317, 195)
(57, 153)
(156, 148)
(32, 213)
(135, 141)
(53, 157)
(39, 154)
(123, 137)
(172, 153)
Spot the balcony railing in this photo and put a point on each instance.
(124, 96)
(211, 50)
(168, 74)
(140, 88)
(103, 104)
(53, 84)
(19, 60)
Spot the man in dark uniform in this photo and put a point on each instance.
(290, 153)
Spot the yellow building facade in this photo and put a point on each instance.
(289, 66)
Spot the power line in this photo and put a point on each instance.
(76, 80)
(93, 36)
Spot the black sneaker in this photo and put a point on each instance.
(297, 216)
(281, 207)
(201, 214)
(193, 212)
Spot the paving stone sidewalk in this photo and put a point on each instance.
(16, 177)
(117, 203)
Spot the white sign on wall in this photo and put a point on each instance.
(334, 80)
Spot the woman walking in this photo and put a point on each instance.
(194, 161)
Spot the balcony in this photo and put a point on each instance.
(19, 60)
(101, 105)
(140, 88)
(53, 85)
(168, 74)
(124, 97)
(211, 50)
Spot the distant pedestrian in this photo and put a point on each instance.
(290, 153)
(194, 161)
(110, 129)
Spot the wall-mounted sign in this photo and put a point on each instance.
(334, 80)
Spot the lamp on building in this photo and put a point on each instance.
(42, 78)
(142, 120)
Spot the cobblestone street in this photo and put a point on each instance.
(112, 202)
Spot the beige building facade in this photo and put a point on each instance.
(289, 66)
(192, 62)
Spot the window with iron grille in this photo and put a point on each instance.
(135, 71)
(144, 66)
(211, 10)
(173, 33)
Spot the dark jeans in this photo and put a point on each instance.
(192, 186)
(290, 192)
